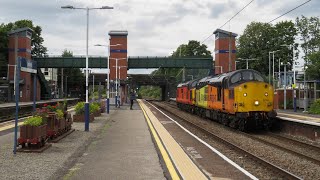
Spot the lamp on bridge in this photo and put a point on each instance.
(87, 39)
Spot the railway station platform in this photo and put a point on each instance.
(125, 144)
(131, 148)
(299, 117)
(13, 104)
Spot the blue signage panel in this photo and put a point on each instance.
(224, 51)
(28, 65)
(118, 50)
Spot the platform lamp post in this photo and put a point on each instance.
(87, 39)
(118, 85)
(294, 77)
(273, 66)
(108, 75)
(117, 59)
(285, 63)
(271, 52)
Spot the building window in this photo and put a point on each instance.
(46, 71)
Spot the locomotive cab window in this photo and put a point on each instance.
(247, 76)
(236, 78)
(258, 77)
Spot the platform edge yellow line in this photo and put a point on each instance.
(173, 173)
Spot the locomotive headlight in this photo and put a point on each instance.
(266, 94)
(256, 103)
(245, 94)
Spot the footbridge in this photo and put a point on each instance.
(133, 62)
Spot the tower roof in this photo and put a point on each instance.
(20, 30)
(118, 33)
(223, 33)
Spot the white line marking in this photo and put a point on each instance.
(210, 147)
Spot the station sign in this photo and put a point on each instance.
(28, 65)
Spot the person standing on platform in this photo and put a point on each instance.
(132, 98)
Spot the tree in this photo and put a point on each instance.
(313, 70)
(37, 48)
(309, 33)
(75, 77)
(259, 39)
(192, 49)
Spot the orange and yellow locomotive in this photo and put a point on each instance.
(240, 99)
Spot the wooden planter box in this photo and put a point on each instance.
(80, 118)
(96, 114)
(68, 120)
(103, 106)
(32, 134)
(52, 125)
(62, 124)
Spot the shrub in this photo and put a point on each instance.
(34, 121)
(60, 114)
(315, 107)
(94, 107)
(52, 108)
(43, 113)
(79, 108)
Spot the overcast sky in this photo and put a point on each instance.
(156, 28)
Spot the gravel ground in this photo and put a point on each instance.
(44, 165)
(304, 149)
(298, 166)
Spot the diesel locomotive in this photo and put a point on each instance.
(239, 99)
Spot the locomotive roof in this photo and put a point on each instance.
(204, 81)
(217, 80)
(213, 80)
(191, 83)
(182, 84)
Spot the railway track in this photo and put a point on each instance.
(283, 145)
(282, 173)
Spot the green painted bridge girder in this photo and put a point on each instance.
(71, 62)
(170, 62)
(133, 62)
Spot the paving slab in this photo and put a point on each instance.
(124, 150)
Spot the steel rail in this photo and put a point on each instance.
(274, 168)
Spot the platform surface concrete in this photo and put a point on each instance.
(123, 151)
(313, 119)
(13, 104)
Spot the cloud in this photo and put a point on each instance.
(156, 28)
(217, 10)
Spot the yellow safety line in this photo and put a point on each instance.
(9, 126)
(164, 153)
(70, 109)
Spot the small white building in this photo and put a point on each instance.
(51, 75)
